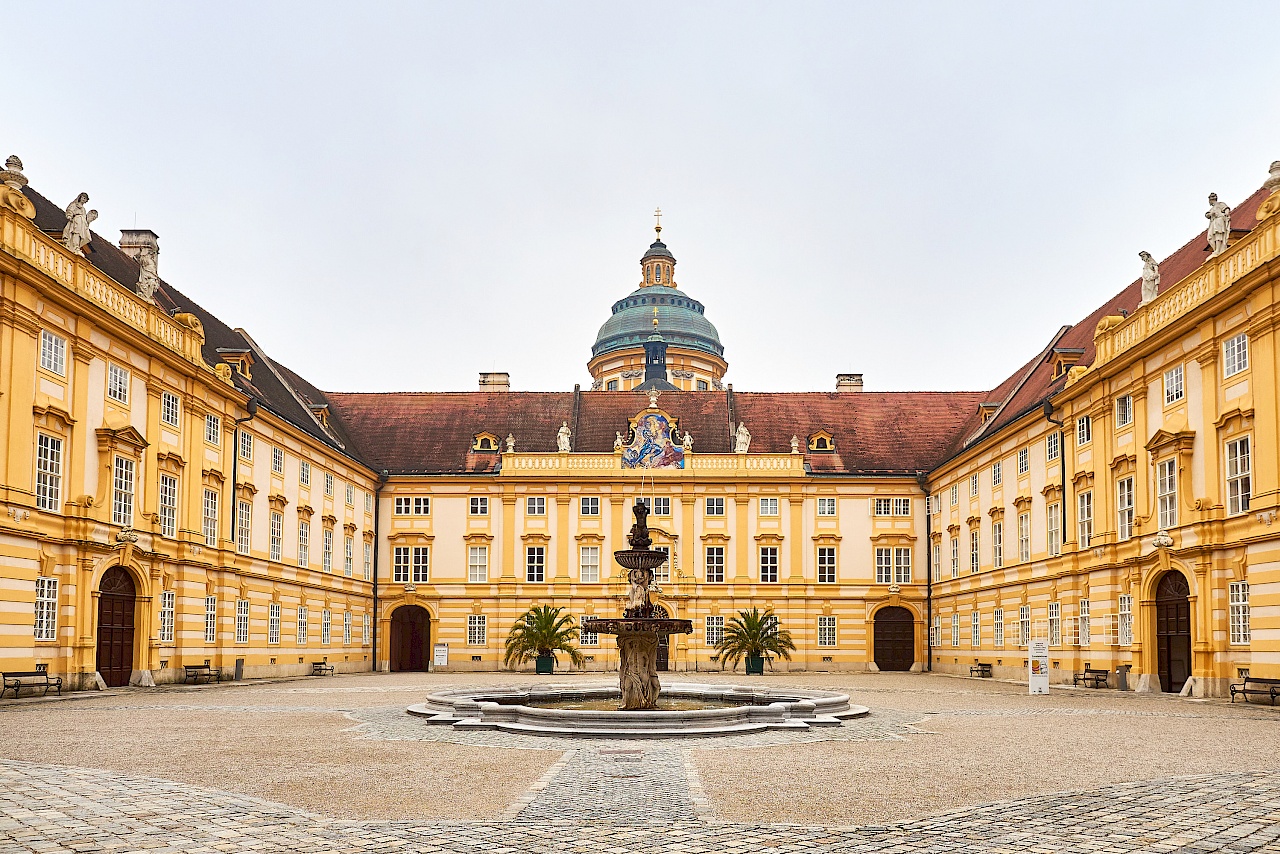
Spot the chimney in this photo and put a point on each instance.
(848, 382)
(495, 381)
(134, 241)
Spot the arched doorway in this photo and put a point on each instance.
(116, 599)
(410, 638)
(664, 641)
(895, 639)
(1173, 631)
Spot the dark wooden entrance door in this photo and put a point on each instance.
(1173, 631)
(115, 627)
(664, 642)
(410, 638)
(895, 639)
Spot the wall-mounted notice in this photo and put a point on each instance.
(1038, 668)
(441, 656)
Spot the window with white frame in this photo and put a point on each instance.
(304, 542)
(277, 460)
(1125, 623)
(368, 502)
(117, 383)
(974, 559)
(768, 507)
(536, 505)
(368, 561)
(302, 625)
(1173, 387)
(1167, 493)
(1024, 537)
(902, 565)
(955, 629)
(46, 614)
(1235, 355)
(1053, 446)
(168, 603)
(1053, 528)
(826, 565)
(1055, 624)
(304, 473)
(535, 564)
(326, 626)
(901, 506)
(1239, 484)
(975, 629)
(997, 474)
(881, 507)
(935, 505)
(1086, 627)
(170, 410)
(53, 353)
(662, 572)
(365, 622)
(997, 544)
(350, 496)
(246, 445)
(1024, 625)
(715, 564)
(715, 507)
(1238, 600)
(768, 564)
(589, 564)
(997, 627)
(826, 507)
(348, 556)
(244, 517)
(659, 505)
(242, 621)
(326, 550)
(1084, 518)
(1124, 410)
(973, 486)
(168, 505)
(48, 472)
(478, 630)
(403, 505)
(478, 505)
(589, 505)
(1124, 508)
(1084, 430)
(122, 491)
(273, 622)
(955, 557)
(826, 631)
(421, 564)
(209, 517)
(936, 553)
(328, 484)
(211, 619)
(1024, 461)
(275, 546)
(715, 629)
(884, 565)
(954, 495)
(935, 631)
(346, 628)
(213, 429)
(477, 564)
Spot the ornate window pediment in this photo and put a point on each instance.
(1164, 441)
(124, 439)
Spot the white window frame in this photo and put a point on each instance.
(1084, 518)
(715, 506)
(209, 517)
(1239, 470)
(881, 507)
(955, 557)
(477, 564)
(535, 505)
(167, 506)
(1052, 446)
(997, 628)
(826, 565)
(975, 554)
(118, 380)
(346, 628)
(713, 557)
(1238, 603)
(303, 634)
(326, 550)
(212, 429)
(210, 619)
(1053, 528)
(1084, 430)
(328, 484)
(826, 506)
(902, 506)
(277, 460)
(48, 472)
(348, 556)
(244, 526)
(1167, 493)
(901, 565)
(304, 473)
(168, 605)
(1124, 508)
(1024, 625)
(273, 622)
(478, 505)
(1124, 410)
(997, 544)
(884, 565)
(1174, 385)
(1124, 624)
(326, 626)
(975, 629)
(1235, 355)
(535, 564)
(364, 629)
(713, 629)
(368, 560)
(421, 564)
(304, 542)
(46, 609)
(53, 353)
(769, 564)
(477, 630)
(955, 630)
(589, 505)
(1055, 624)
(275, 548)
(1024, 537)
(827, 631)
(1086, 624)
(123, 490)
(1024, 461)
(246, 445)
(973, 485)
(349, 495)
(935, 632)
(997, 473)
(589, 564)
(242, 621)
(170, 409)
(768, 507)
(954, 494)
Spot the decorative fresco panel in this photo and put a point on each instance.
(652, 443)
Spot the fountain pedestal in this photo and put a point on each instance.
(638, 654)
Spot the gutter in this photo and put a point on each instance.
(377, 516)
(923, 479)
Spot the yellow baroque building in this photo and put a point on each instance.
(175, 497)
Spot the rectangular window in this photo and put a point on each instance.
(902, 565)
(589, 505)
(122, 492)
(975, 629)
(1238, 598)
(302, 625)
(715, 506)
(328, 484)
(1053, 528)
(326, 626)
(662, 573)
(400, 564)
(48, 472)
(276, 544)
(826, 565)
(1084, 430)
(768, 564)
(117, 384)
(536, 505)
(902, 506)
(715, 629)
(477, 564)
(884, 565)
(974, 559)
(346, 628)
(1126, 619)
(168, 601)
(955, 629)
(209, 518)
(403, 505)
(304, 473)
(1024, 537)
(997, 474)
(242, 621)
(170, 411)
(1173, 390)
(586, 638)
(211, 619)
(46, 615)
(1124, 410)
(213, 429)
(326, 550)
(1239, 484)
(243, 518)
(881, 507)
(53, 352)
(246, 445)
(715, 564)
(421, 564)
(368, 502)
(826, 507)
(933, 504)
(1084, 518)
(954, 495)
(304, 542)
(826, 631)
(477, 630)
(1053, 446)
(350, 497)
(1024, 625)
(273, 622)
(768, 507)
(661, 506)
(1024, 461)
(589, 564)
(368, 561)
(1167, 493)
(479, 505)
(1235, 355)
(955, 557)
(997, 544)
(277, 460)
(1055, 624)
(935, 631)
(348, 556)
(364, 629)
(997, 628)
(535, 564)
(168, 505)
(612, 385)
(973, 486)
(1086, 628)
(1124, 508)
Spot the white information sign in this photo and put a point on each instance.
(441, 657)
(1038, 667)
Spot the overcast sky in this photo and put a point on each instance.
(396, 197)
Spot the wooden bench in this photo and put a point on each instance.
(1091, 677)
(982, 670)
(196, 672)
(1256, 686)
(321, 668)
(16, 680)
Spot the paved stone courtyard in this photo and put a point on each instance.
(334, 764)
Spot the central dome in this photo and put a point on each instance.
(680, 322)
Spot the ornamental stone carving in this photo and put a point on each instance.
(11, 175)
(617, 441)
(1272, 183)
(742, 439)
(1219, 216)
(511, 444)
(564, 437)
(11, 183)
(795, 444)
(687, 444)
(76, 233)
(148, 275)
(1150, 278)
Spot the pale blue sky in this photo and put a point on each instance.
(399, 196)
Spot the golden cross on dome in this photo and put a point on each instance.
(657, 215)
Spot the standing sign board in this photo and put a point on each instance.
(1038, 667)
(441, 657)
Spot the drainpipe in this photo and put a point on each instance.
(1062, 469)
(252, 408)
(377, 516)
(923, 480)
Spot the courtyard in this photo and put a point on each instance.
(334, 764)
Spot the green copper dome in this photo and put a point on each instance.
(680, 322)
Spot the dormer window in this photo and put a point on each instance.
(822, 441)
(986, 410)
(241, 361)
(485, 442)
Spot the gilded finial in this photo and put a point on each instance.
(657, 226)
(655, 318)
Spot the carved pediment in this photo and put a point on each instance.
(125, 438)
(1182, 440)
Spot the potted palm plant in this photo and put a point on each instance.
(540, 633)
(755, 636)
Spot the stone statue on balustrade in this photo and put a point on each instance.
(1219, 216)
(76, 233)
(742, 439)
(563, 437)
(148, 274)
(511, 444)
(687, 444)
(1150, 278)
(617, 441)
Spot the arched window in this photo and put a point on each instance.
(657, 273)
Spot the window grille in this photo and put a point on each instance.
(168, 601)
(304, 542)
(170, 411)
(244, 511)
(478, 630)
(826, 631)
(276, 545)
(715, 564)
(48, 472)
(46, 611)
(122, 492)
(714, 629)
(168, 505)
(273, 622)
(1124, 508)
(1235, 355)
(477, 564)
(210, 619)
(242, 621)
(1239, 483)
(1238, 597)
(768, 564)
(535, 563)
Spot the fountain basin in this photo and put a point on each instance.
(736, 709)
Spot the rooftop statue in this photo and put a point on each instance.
(76, 233)
(148, 275)
(687, 444)
(511, 444)
(617, 441)
(742, 439)
(1219, 216)
(563, 437)
(1150, 278)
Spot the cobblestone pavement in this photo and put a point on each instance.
(46, 808)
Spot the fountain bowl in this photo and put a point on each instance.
(640, 558)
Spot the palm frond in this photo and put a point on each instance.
(543, 630)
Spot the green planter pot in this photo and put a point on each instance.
(546, 665)
(755, 665)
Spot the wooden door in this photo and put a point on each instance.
(116, 599)
(1173, 631)
(895, 639)
(410, 638)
